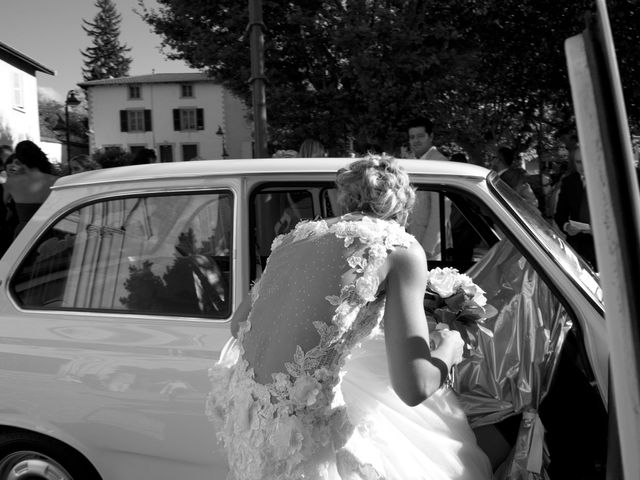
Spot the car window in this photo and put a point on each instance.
(551, 240)
(451, 228)
(439, 218)
(277, 209)
(165, 254)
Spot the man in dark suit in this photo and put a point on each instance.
(572, 212)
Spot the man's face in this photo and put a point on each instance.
(420, 141)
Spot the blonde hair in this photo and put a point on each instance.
(378, 185)
(311, 148)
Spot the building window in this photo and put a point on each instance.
(135, 120)
(189, 151)
(185, 119)
(134, 92)
(135, 149)
(188, 119)
(166, 153)
(186, 90)
(18, 91)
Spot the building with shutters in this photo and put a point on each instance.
(19, 119)
(181, 116)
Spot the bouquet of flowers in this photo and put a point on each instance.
(452, 298)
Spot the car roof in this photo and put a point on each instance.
(203, 168)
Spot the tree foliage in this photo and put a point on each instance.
(52, 115)
(111, 157)
(106, 57)
(482, 69)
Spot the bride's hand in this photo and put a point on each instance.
(449, 342)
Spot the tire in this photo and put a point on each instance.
(28, 456)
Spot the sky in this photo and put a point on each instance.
(50, 32)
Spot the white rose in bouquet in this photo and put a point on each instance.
(453, 298)
(442, 281)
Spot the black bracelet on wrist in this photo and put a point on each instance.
(440, 365)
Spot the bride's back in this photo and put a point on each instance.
(292, 296)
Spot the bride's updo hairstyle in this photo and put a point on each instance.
(378, 185)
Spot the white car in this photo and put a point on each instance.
(116, 297)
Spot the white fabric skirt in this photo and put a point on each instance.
(430, 441)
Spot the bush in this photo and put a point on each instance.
(111, 157)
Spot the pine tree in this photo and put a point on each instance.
(107, 57)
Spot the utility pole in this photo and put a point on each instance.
(256, 30)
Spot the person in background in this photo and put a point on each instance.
(7, 220)
(82, 163)
(516, 177)
(28, 151)
(572, 212)
(426, 213)
(568, 137)
(28, 183)
(144, 156)
(311, 148)
(420, 131)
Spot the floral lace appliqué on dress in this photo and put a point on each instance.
(296, 426)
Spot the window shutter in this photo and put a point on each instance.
(147, 121)
(176, 119)
(200, 118)
(124, 127)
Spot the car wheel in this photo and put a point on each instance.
(27, 456)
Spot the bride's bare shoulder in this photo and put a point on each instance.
(413, 255)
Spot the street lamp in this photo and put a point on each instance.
(71, 101)
(220, 133)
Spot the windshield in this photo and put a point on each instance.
(551, 240)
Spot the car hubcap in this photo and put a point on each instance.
(27, 465)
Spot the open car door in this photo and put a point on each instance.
(614, 201)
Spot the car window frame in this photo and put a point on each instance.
(614, 200)
(76, 205)
(256, 189)
(590, 296)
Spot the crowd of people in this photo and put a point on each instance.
(27, 174)
(562, 200)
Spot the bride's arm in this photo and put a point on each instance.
(413, 376)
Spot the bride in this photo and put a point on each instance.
(331, 375)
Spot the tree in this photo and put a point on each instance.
(111, 157)
(146, 289)
(107, 57)
(52, 115)
(482, 69)
(335, 69)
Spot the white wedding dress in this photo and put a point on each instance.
(304, 392)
